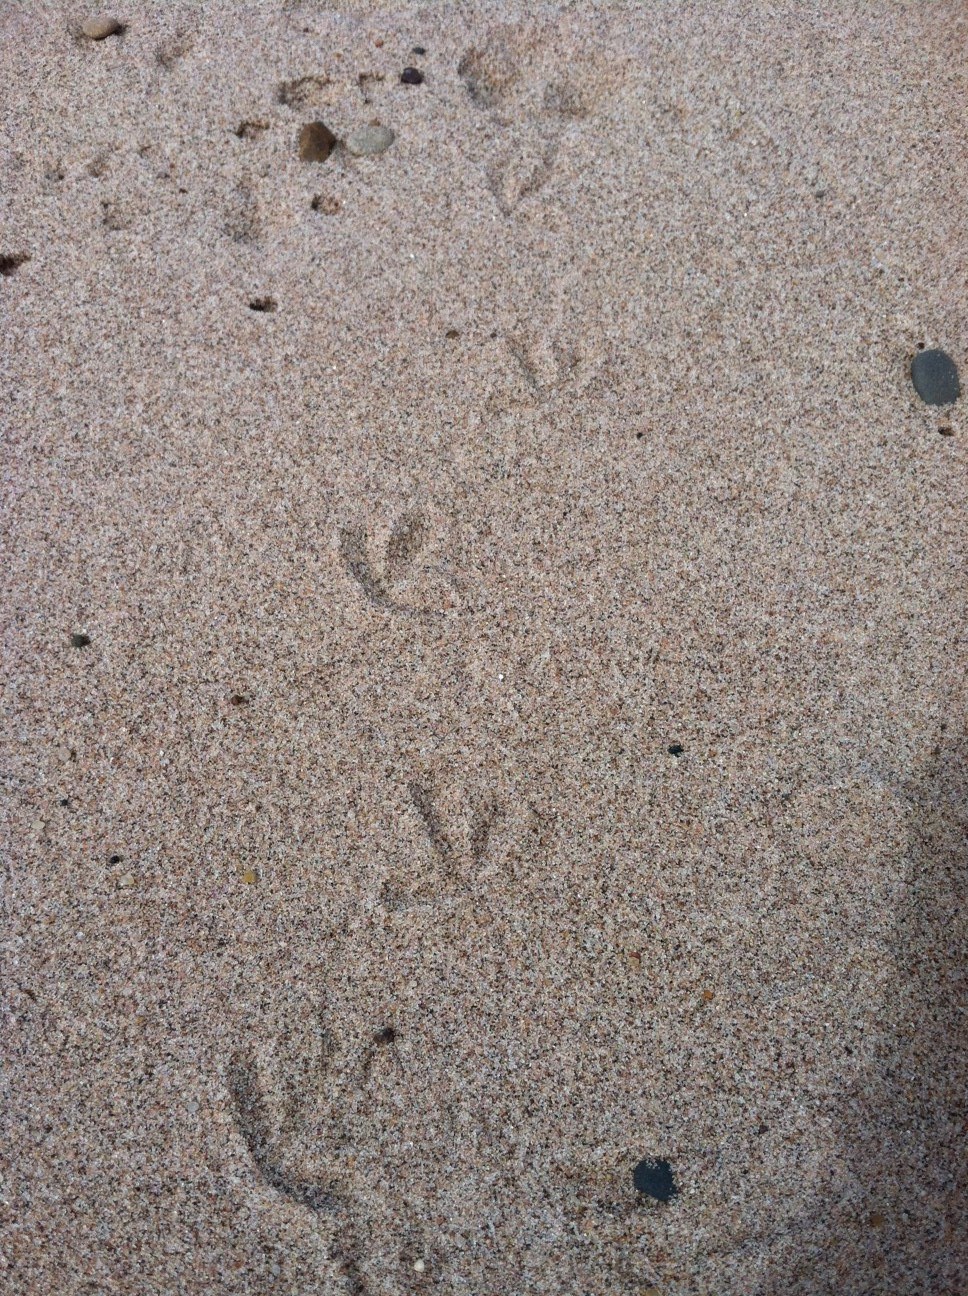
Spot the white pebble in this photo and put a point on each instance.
(369, 140)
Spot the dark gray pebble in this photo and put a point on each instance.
(80, 640)
(654, 1178)
(935, 377)
(411, 76)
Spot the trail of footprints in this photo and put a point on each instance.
(467, 837)
(301, 1131)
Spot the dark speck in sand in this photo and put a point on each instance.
(386, 1036)
(115, 859)
(654, 1178)
(11, 262)
(676, 749)
(418, 50)
(238, 699)
(65, 801)
(264, 304)
(80, 640)
(411, 76)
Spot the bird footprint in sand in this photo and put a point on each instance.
(405, 581)
(473, 837)
(514, 75)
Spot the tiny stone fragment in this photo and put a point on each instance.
(101, 28)
(80, 640)
(935, 377)
(676, 749)
(316, 142)
(248, 877)
(369, 140)
(654, 1178)
(411, 76)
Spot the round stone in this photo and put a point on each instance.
(369, 140)
(654, 1178)
(316, 142)
(101, 28)
(935, 377)
(411, 76)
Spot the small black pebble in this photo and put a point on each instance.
(676, 749)
(386, 1036)
(80, 640)
(418, 50)
(115, 859)
(935, 377)
(65, 801)
(412, 76)
(262, 304)
(655, 1179)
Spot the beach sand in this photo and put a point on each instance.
(522, 731)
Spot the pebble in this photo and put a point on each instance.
(369, 140)
(101, 28)
(80, 640)
(316, 142)
(935, 377)
(654, 1178)
(411, 76)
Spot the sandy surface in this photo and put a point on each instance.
(361, 933)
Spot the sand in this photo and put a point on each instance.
(523, 728)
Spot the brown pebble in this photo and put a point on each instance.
(101, 28)
(316, 142)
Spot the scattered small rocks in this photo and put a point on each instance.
(316, 142)
(655, 1179)
(369, 141)
(935, 377)
(80, 640)
(411, 76)
(98, 29)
